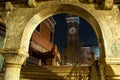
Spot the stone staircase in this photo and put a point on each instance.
(54, 73)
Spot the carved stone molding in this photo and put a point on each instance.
(102, 4)
(107, 4)
(109, 61)
(32, 3)
(8, 5)
(15, 57)
(112, 60)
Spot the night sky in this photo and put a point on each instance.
(86, 33)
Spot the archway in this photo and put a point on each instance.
(47, 11)
(42, 12)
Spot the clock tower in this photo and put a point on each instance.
(72, 50)
(72, 28)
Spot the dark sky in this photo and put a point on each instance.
(86, 32)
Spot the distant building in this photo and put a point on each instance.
(71, 52)
(42, 50)
(86, 55)
(87, 49)
(42, 37)
(74, 52)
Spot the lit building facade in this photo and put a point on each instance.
(42, 50)
(71, 52)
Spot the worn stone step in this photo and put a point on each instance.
(33, 77)
(53, 73)
(55, 69)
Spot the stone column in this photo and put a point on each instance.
(13, 62)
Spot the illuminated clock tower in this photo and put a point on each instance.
(72, 29)
(72, 49)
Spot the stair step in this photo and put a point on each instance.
(55, 69)
(55, 73)
(33, 77)
(60, 71)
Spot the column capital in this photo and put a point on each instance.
(16, 57)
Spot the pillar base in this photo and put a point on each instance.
(13, 62)
(12, 72)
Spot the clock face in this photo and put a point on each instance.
(72, 30)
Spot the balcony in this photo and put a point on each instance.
(40, 43)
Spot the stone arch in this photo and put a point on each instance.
(47, 10)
